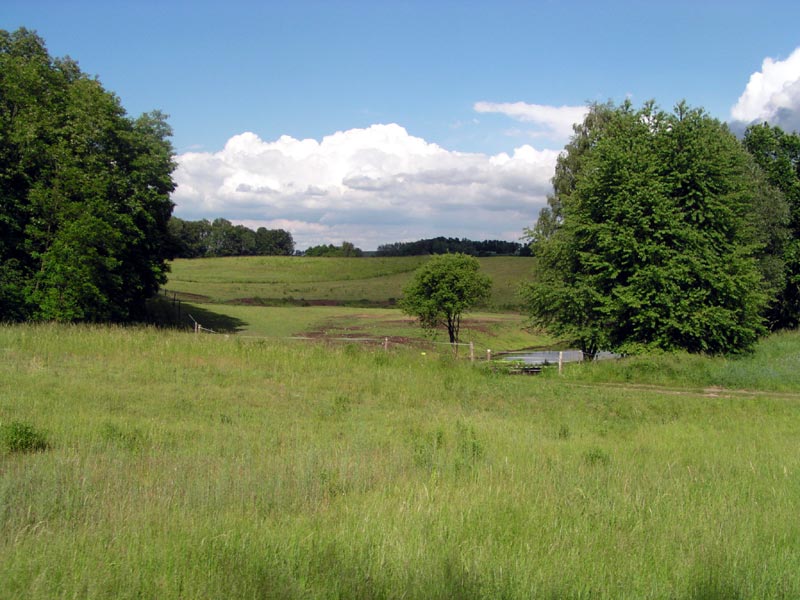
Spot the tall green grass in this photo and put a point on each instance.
(774, 366)
(186, 466)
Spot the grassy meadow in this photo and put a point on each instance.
(498, 331)
(174, 465)
(280, 297)
(348, 281)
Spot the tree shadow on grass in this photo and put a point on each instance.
(173, 315)
(209, 319)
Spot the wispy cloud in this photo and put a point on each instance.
(772, 94)
(554, 122)
(369, 186)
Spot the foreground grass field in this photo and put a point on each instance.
(184, 466)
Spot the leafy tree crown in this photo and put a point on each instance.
(442, 289)
(655, 244)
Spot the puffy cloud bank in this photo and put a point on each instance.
(368, 186)
(772, 94)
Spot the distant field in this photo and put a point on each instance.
(200, 466)
(273, 279)
(339, 297)
(497, 331)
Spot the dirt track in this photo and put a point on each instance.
(706, 392)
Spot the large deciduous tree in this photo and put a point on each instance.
(275, 242)
(444, 288)
(84, 192)
(568, 169)
(778, 154)
(655, 244)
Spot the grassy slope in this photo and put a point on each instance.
(191, 466)
(221, 292)
(344, 280)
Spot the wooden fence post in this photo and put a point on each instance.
(560, 361)
(488, 355)
(471, 352)
(386, 343)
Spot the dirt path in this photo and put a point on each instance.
(706, 392)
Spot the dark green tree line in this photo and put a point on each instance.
(84, 192)
(661, 233)
(444, 245)
(346, 250)
(220, 237)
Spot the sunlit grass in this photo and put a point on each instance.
(239, 295)
(497, 331)
(270, 279)
(193, 466)
(774, 366)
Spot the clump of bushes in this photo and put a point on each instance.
(17, 436)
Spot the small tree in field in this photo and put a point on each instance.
(442, 289)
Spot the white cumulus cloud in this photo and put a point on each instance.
(772, 94)
(553, 121)
(368, 186)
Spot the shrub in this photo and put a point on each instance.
(22, 437)
(596, 456)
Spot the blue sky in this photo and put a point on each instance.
(411, 105)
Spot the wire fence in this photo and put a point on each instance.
(520, 362)
(386, 342)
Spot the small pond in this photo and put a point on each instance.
(550, 357)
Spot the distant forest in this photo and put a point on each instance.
(346, 250)
(220, 237)
(443, 245)
(439, 245)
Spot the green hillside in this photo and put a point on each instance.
(337, 298)
(289, 279)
